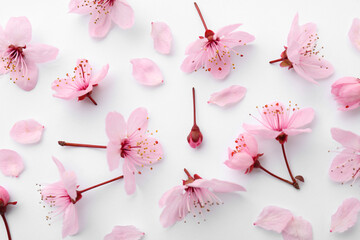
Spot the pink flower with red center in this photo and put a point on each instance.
(302, 53)
(18, 56)
(81, 84)
(346, 91)
(213, 51)
(4, 203)
(194, 195)
(103, 13)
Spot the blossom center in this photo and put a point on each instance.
(126, 148)
(106, 2)
(13, 56)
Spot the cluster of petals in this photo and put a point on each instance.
(346, 92)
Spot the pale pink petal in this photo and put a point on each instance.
(250, 142)
(217, 185)
(115, 126)
(274, 218)
(18, 31)
(298, 229)
(230, 95)
(78, 6)
(189, 64)
(124, 233)
(129, 177)
(237, 38)
(3, 40)
(11, 163)
(346, 138)
(301, 118)
(40, 53)
(101, 27)
(4, 195)
(113, 155)
(70, 221)
(59, 165)
(219, 69)
(100, 75)
(344, 166)
(122, 14)
(196, 46)
(313, 67)
(26, 79)
(146, 72)
(240, 161)
(293, 132)
(260, 130)
(354, 33)
(162, 36)
(174, 211)
(68, 179)
(226, 30)
(345, 216)
(137, 123)
(27, 131)
(172, 194)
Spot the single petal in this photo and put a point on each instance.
(78, 6)
(11, 163)
(40, 53)
(99, 25)
(100, 75)
(274, 218)
(346, 138)
(354, 33)
(196, 46)
(190, 64)
(250, 143)
(4, 196)
(298, 229)
(170, 195)
(161, 34)
(240, 161)
(345, 216)
(137, 123)
(27, 78)
(122, 14)
(113, 155)
(226, 30)
(129, 177)
(301, 117)
(237, 38)
(115, 126)
(68, 179)
(230, 95)
(18, 31)
(260, 130)
(293, 132)
(217, 185)
(146, 72)
(313, 67)
(70, 221)
(124, 233)
(219, 69)
(345, 166)
(27, 131)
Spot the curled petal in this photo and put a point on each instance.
(230, 95)
(18, 31)
(298, 229)
(217, 185)
(346, 215)
(70, 221)
(146, 72)
(161, 34)
(354, 33)
(40, 53)
(124, 233)
(11, 163)
(122, 14)
(27, 131)
(274, 218)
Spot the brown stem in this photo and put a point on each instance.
(201, 16)
(287, 164)
(274, 175)
(194, 107)
(6, 226)
(101, 184)
(188, 174)
(91, 99)
(277, 60)
(63, 143)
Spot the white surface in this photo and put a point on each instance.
(170, 111)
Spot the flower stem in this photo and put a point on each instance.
(274, 175)
(277, 60)
(188, 174)
(6, 226)
(193, 93)
(201, 16)
(91, 99)
(63, 143)
(287, 163)
(101, 184)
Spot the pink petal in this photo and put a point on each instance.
(70, 221)
(240, 161)
(219, 69)
(18, 31)
(129, 177)
(174, 211)
(115, 126)
(250, 142)
(26, 80)
(4, 195)
(346, 138)
(77, 6)
(354, 33)
(217, 185)
(11, 163)
(298, 229)
(226, 30)
(122, 14)
(274, 218)
(189, 64)
(260, 130)
(171, 195)
(344, 166)
(237, 38)
(113, 155)
(68, 179)
(310, 68)
(100, 76)
(293, 132)
(102, 26)
(146, 72)
(196, 46)
(230, 95)
(40, 53)
(137, 123)
(27, 131)
(124, 233)
(161, 34)
(301, 118)
(345, 216)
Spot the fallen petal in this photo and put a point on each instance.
(11, 163)
(354, 33)
(161, 34)
(124, 233)
(228, 96)
(146, 72)
(27, 131)
(274, 218)
(298, 229)
(346, 215)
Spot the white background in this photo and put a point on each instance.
(170, 112)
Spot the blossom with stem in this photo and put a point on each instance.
(64, 195)
(195, 136)
(4, 203)
(213, 51)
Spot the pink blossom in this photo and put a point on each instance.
(27, 131)
(124, 233)
(194, 195)
(213, 51)
(228, 96)
(131, 142)
(302, 54)
(81, 84)
(18, 56)
(4, 203)
(63, 195)
(102, 13)
(11, 163)
(161, 34)
(346, 91)
(354, 33)
(278, 121)
(345, 216)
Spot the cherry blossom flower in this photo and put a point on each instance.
(11, 163)
(81, 84)
(227, 96)
(4, 203)
(124, 233)
(195, 136)
(27, 131)
(18, 56)
(345, 216)
(192, 197)
(213, 51)
(346, 165)
(302, 54)
(131, 142)
(102, 13)
(354, 33)
(346, 91)
(161, 34)
(146, 72)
